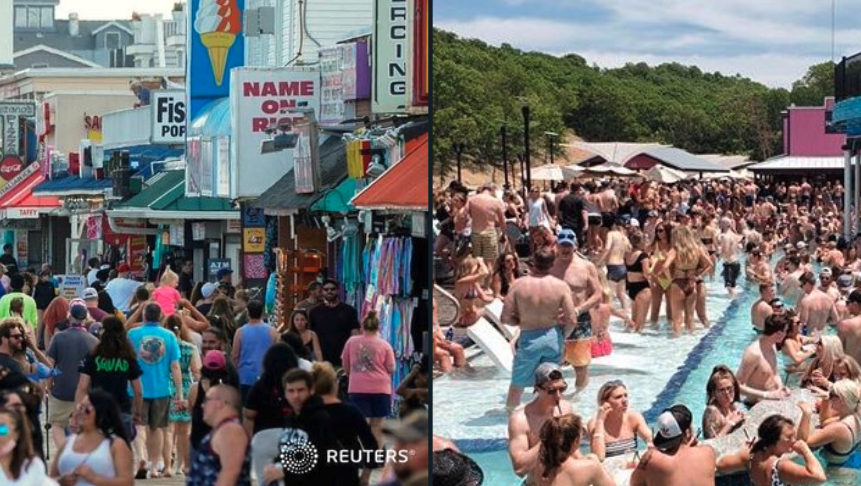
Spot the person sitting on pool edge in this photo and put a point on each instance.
(525, 422)
(676, 460)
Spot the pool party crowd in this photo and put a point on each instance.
(130, 381)
(566, 261)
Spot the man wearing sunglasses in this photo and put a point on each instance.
(11, 341)
(334, 322)
(581, 276)
(525, 422)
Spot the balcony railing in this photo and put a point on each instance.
(847, 78)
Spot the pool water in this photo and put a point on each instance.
(642, 362)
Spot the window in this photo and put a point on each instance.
(34, 17)
(47, 18)
(20, 16)
(112, 40)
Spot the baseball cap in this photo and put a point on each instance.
(208, 289)
(214, 360)
(451, 468)
(854, 296)
(413, 428)
(653, 214)
(547, 372)
(78, 311)
(776, 302)
(826, 272)
(221, 273)
(787, 246)
(844, 281)
(123, 267)
(801, 245)
(90, 294)
(567, 237)
(634, 222)
(672, 424)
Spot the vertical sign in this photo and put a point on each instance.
(421, 58)
(168, 116)
(390, 56)
(10, 113)
(305, 157)
(331, 86)
(216, 44)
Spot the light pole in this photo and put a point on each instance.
(504, 156)
(550, 136)
(458, 147)
(525, 111)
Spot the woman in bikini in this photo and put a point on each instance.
(839, 439)
(637, 267)
(507, 271)
(615, 428)
(615, 249)
(688, 262)
(660, 281)
(470, 294)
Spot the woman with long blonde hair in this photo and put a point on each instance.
(688, 262)
(661, 281)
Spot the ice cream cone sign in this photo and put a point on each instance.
(218, 23)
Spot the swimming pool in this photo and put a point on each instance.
(657, 376)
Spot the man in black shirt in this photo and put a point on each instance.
(11, 342)
(186, 279)
(9, 260)
(334, 322)
(572, 212)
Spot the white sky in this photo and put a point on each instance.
(112, 9)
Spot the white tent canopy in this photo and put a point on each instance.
(610, 168)
(555, 173)
(665, 175)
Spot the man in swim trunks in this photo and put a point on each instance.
(608, 204)
(758, 376)
(816, 307)
(676, 460)
(524, 424)
(541, 305)
(757, 268)
(487, 213)
(581, 275)
(849, 330)
(729, 248)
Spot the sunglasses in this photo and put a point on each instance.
(16, 336)
(330, 289)
(557, 389)
(566, 237)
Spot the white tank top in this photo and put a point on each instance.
(100, 460)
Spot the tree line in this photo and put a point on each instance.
(478, 89)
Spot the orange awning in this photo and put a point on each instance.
(21, 203)
(404, 186)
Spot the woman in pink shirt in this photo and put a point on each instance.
(166, 295)
(369, 362)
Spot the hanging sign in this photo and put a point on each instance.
(390, 56)
(168, 116)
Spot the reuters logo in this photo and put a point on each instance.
(298, 456)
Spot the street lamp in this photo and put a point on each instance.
(504, 156)
(550, 136)
(458, 147)
(525, 111)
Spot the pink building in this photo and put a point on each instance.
(804, 132)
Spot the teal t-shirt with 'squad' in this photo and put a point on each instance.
(156, 348)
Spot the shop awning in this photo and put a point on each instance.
(282, 198)
(73, 186)
(212, 121)
(404, 186)
(338, 199)
(164, 198)
(20, 203)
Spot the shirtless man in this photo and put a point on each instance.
(757, 269)
(762, 308)
(758, 376)
(487, 213)
(816, 307)
(826, 284)
(790, 285)
(608, 204)
(831, 256)
(540, 304)
(849, 330)
(616, 246)
(582, 278)
(676, 460)
(729, 249)
(524, 424)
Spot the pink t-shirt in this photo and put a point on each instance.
(372, 362)
(166, 297)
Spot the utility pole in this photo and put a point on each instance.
(504, 156)
(458, 147)
(525, 111)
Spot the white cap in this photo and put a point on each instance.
(801, 245)
(634, 222)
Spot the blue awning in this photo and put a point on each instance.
(212, 121)
(141, 157)
(73, 185)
